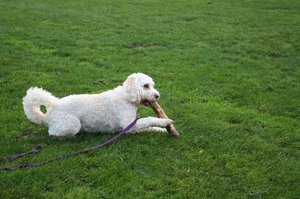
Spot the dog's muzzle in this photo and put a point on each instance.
(146, 102)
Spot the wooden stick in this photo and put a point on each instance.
(161, 114)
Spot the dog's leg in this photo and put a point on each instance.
(150, 124)
(64, 125)
(150, 129)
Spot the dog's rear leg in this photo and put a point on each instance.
(64, 125)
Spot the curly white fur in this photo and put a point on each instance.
(109, 111)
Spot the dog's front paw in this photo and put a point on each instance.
(166, 122)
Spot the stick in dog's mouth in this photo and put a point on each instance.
(161, 114)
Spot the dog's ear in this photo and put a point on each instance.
(132, 89)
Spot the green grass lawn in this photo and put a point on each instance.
(228, 73)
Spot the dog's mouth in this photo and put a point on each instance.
(145, 102)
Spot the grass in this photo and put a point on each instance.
(228, 72)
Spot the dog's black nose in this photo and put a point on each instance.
(156, 96)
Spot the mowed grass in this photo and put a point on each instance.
(228, 72)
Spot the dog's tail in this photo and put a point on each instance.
(32, 102)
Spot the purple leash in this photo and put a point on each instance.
(32, 151)
(38, 149)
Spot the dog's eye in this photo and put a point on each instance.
(146, 86)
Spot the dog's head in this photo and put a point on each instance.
(140, 88)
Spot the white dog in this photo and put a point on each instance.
(109, 111)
